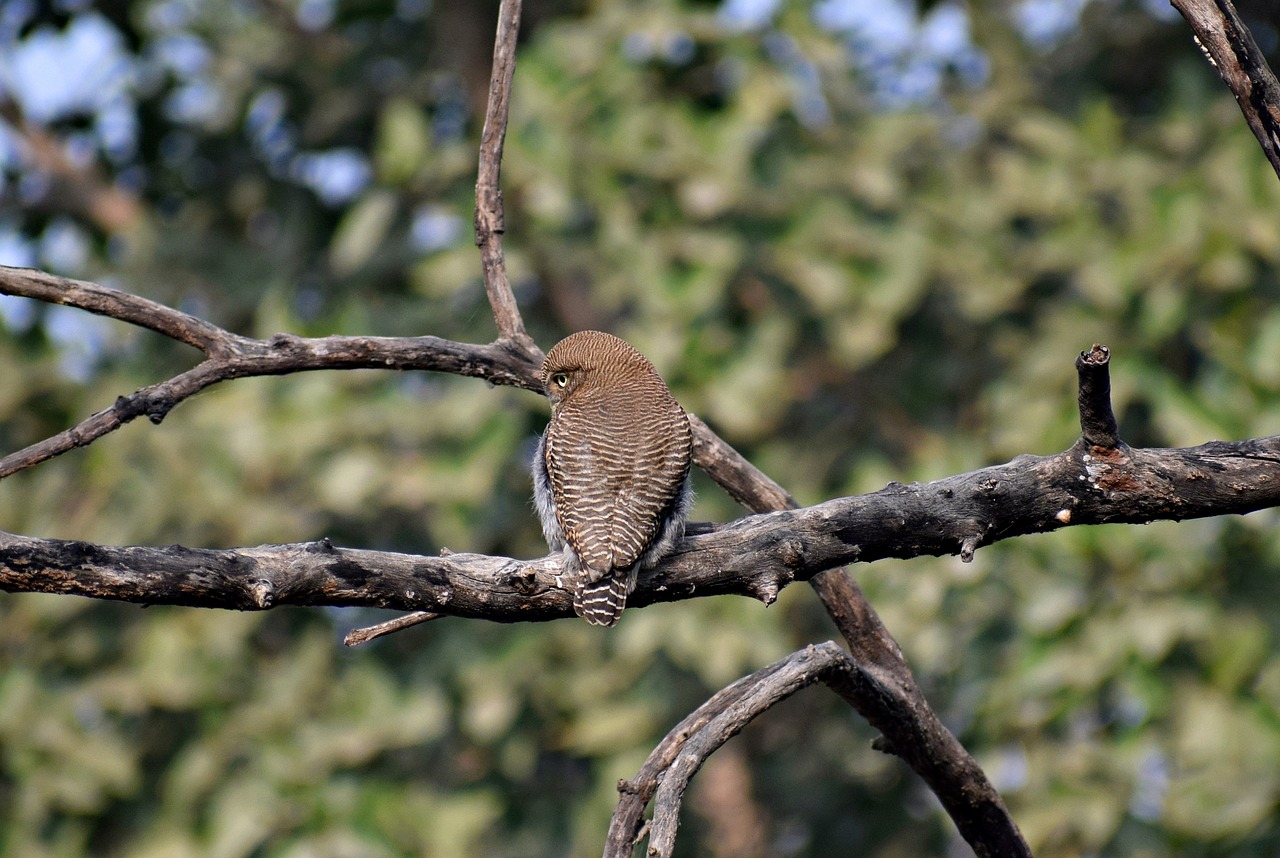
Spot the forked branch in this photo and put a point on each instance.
(229, 356)
(673, 763)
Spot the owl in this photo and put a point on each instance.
(611, 473)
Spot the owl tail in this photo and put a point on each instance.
(601, 602)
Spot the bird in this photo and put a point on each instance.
(611, 471)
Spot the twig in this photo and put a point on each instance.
(355, 637)
(1097, 420)
(489, 221)
(1230, 47)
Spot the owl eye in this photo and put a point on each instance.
(560, 379)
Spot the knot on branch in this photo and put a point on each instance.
(323, 545)
(282, 342)
(156, 408)
(263, 593)
(523, 579)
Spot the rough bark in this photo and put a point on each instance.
(754, 556)
(1231, 49)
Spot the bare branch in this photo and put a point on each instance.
(754, 556)
(355, 637)
(115, 304)
(233, 356)
(1029, 495)
(896, 706)
(744, 482)
(1097, 420)
(1087, 484)
(1230, 47)
(268, 576)
(677, 758)
(490, 223)
(886, 694)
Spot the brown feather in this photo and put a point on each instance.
(617, 456)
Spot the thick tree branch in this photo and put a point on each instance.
(1230, 47)
(1029, 495)
(1098, 480)
(754, 556)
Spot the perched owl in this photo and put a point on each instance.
(611, 474)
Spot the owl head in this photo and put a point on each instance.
(594, 361)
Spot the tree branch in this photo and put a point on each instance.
(1087, 484)
(754, 556)
(490, 223)
(677, 758)
(233, 356)
(1230, 48)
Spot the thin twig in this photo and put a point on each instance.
(355, 637)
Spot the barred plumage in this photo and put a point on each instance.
(611, 473)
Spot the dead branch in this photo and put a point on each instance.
(355, 637)
(673, 763)
(229, 356)
(490, 223)
(755, 556)
(1230, 48)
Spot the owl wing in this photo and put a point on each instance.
(614, 486)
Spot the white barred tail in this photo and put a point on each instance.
(602, 602)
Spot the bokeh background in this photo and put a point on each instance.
(864, 240)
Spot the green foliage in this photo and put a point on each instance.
(886, 295)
